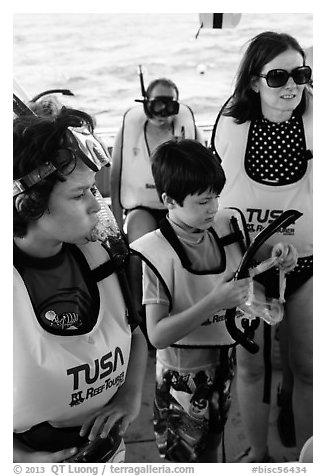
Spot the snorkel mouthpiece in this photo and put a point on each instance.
(108, 233)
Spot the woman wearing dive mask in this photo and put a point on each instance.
(264, 138)
(135, 202)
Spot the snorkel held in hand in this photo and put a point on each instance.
(160, 106)
(246, 338)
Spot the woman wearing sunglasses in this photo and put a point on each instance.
(160, 118)
(264, 138)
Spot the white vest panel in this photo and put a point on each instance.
(261, 203)
(137, 187)
(62, 379)
(187, 288)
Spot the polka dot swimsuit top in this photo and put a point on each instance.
(276, 152)
(276, 155)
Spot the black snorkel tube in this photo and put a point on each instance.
(246, 338)
(143, 93)
(65, 92)
(142, 86)
(20, 108)
(141, 79)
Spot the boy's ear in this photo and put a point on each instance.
(19, 201)
(168, 201)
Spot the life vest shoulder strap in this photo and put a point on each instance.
(237, 235)
(103, 271)
(212, 142)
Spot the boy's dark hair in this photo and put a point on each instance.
(263, 48)
(183, 167)
(36, 141)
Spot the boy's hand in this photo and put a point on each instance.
(122, 410)
(230, 293)
(287, 255)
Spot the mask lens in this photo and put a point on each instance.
(163, 107)
(157, 106)
(172, 107)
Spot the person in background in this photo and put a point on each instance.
(160, 118)
(188, 266)
(263, 136)
(48, 105)
(79, 357)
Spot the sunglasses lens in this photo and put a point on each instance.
(277, 78)
(302, 75)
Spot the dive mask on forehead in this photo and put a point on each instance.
(84, 145)
(88, 147)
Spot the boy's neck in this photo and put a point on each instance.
(189, 229)
(36, 249)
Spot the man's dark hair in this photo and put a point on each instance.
(162, 82)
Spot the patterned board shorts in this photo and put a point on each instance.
(191, 409)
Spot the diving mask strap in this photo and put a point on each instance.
(26, 182)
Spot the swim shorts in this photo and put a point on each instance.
(190, 409)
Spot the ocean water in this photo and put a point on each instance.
(96, 56)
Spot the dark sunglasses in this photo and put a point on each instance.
(276, 78)
(163, 106)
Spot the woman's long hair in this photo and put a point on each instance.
(263, 48)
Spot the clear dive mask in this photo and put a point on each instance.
(271, 310)
(89, 148)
